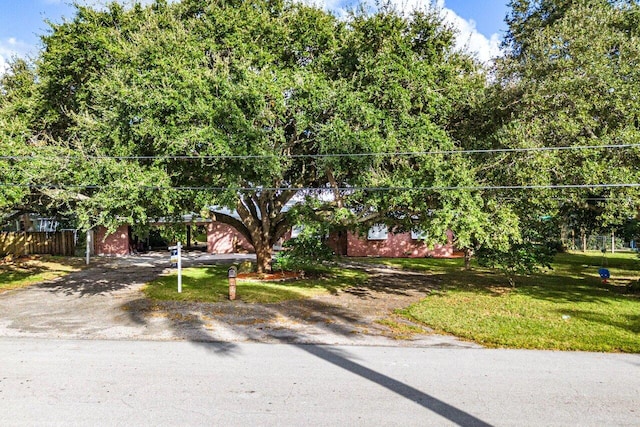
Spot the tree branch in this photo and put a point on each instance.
(235, 223)
(279, 230)
(334, 185)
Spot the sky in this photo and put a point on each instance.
(480, 22)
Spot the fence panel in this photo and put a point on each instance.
(597, 243)
(40, 243)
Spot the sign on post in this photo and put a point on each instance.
(176, 259)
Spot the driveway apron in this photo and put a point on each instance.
(84, 304)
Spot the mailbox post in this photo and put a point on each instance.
(233, 273)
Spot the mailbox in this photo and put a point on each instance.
(233, 273)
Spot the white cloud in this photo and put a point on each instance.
(10, 48)
(104, 3)
(3, 63)
(468, 37)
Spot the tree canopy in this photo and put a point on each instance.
(568, 81)
(179, 107)
(136, 113)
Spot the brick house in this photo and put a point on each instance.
(224, 239)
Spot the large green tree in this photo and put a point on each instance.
(569, 78)
(16, 91)
(178, 107)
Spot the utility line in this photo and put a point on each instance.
(335, 155)
(329, 189)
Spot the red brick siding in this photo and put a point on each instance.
(399, 245)
(113, 244)
(224, 239)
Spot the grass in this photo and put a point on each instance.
(567, 308)
(433, 265)
(401, 330)
(36, 269)
(210, 284)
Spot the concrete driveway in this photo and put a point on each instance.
(91, 304)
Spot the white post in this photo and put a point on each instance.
(179, 268)
(88, 246)
(613, 242)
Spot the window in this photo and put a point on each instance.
(378, 232)
(417, 234)
(296, 230)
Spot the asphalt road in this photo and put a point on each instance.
(64, 382)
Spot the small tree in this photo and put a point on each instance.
(306, 251)
(519, 259)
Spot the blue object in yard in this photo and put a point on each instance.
(604, 274)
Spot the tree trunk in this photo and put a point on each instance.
(263, 257)
(584, 241)
(261, 222)
(468, 253)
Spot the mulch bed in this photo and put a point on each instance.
(281, 275)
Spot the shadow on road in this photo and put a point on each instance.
(429, 402)
(309, 324)
(205, 323)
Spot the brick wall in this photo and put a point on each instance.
(399, 245)
(224, 239)
(113, 244)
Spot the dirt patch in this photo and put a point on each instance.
(356, 315)
(17, 272)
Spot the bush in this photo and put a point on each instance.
(557, 246)
(520, 259)
(246, 267)
(304, 252)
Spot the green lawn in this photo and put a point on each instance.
(567, 308)
(26, 272)
(210, 284)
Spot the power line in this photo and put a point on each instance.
(329, 189)
(334, 155)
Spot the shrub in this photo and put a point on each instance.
(246, 267)
(304, 252)
(520, 259)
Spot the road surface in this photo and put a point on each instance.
(94, 382)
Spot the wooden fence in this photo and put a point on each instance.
(58, 243)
